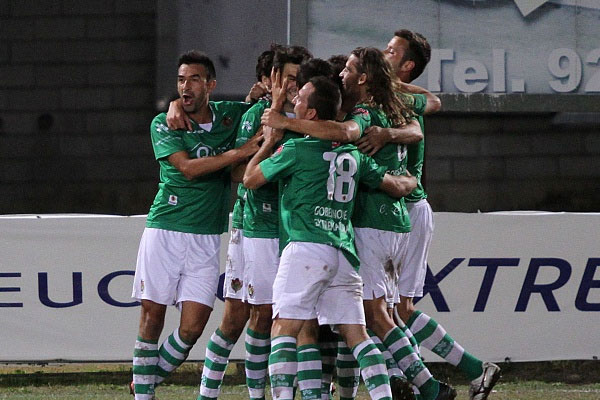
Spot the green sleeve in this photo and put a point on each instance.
(165, 141)
(361, 116)
(250, 123)
(281, 163)
(419, 104)
(371, 173)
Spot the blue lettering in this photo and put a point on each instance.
(529, 286)
(431, 285)
(43, 291)
(587, 283)
(10, 289)
(492, 265)
(105, 295)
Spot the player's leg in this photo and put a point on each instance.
(431, 335)
(195, 299)
(341, 305)
(234, 319)
(348, 371)
(300, 280)
(219, 347)
(145, 354)
(309, 361)
(283, 361)
(262, 261)
(380, 253)
(156, 278)
(328, 348)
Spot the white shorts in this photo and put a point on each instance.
(174, 266)
(316, 281)
(261, 257)
(234, 266)
(380, 254)
(412, 275)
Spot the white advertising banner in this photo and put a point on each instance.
(522, 286)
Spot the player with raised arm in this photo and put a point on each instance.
(259, 238)
(368, 83)
(408, 53)
(317, 277)
(178, 258)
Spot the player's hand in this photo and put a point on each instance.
(278, 89)
(372, 141)
(177, 118)
(273, 118)
(252, 145)
(272, 136)
(257, 91)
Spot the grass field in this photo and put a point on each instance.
(523, 381)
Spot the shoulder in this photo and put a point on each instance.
(162, 117)
(159, 123)
(229, 106)
(257, 108)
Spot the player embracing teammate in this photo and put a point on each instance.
(301, 198)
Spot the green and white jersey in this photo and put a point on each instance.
(248, 126)
(416, 151)
(375, 208)
(237, 216)
(360, 116)
(319, 184)
(199, 205)
(261, 208)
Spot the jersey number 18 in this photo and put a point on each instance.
(340, 183)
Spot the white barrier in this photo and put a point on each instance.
(517, 285)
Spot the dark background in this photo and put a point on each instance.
(78, 89)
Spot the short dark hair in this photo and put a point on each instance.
(264, 63)
(198, 57)
(293, 55)
(419, 51)
(326, 98)
(311, 68)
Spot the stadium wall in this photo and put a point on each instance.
(517, 286)
(79, 80)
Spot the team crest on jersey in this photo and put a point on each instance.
(266, 207)
(279, 150)
(173, 200)
(236, 284)
(247, 126)
(360, 111)
(227, 121)
(250, 290)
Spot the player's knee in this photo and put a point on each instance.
(152, 320)
(232, 328)
(190, 334)
(405, 310)
(262, 317)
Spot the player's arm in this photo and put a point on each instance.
(376, 137)
(253, 175)
(177, 117)
(343, 132)
(398, 186)
(257, 91)
(194, 167)
(434, 104)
